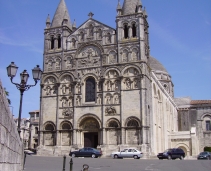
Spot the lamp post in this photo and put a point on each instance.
(11, 72)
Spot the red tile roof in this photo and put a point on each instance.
(195, 102)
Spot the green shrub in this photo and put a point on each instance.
(207, 149)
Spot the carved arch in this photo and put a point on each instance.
(115, 121)
(49, 126)
(89, 116)
(66, 125)
(131, 120)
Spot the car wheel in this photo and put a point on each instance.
(181, 158)
(169, 157)
(135, 157)
(93, 155)
(116, 156)
(73, 155)
(160, 159)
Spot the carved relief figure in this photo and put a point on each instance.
(128, 83)
(78, 86)
(57, 64)
(108, 38)
(69, 63)
(108, 99)
(63, 89)
(116, 99)
(116, 85)
(70, 102)
(48, 90)
(99, 34)
(81, 36)
(78, 101)
(134, 56)
(50, 65)
(110, 110)
(63, 103)
(73, 43)
(99, 99)
(109, 84)
(91, 30)
(135, 83)
(124, 56)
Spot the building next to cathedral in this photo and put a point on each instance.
(101, 88)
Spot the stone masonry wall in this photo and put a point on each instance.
(11, 148)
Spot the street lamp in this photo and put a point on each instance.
(11, 72)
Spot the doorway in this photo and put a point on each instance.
(91, 139)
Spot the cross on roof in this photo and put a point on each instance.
(90, 15)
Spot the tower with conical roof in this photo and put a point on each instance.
(133, 49)
(56, 32)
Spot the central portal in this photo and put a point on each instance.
(91, 139)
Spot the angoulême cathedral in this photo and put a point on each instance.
(101, 88)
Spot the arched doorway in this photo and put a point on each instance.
(90, 132)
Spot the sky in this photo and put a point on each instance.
(179, 34)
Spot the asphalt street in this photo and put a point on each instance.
(38, 163)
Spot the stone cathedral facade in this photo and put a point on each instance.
(101, 88)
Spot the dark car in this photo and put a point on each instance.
(172, 153)
(86, 152)
(204, 155)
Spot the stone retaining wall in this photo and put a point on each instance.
(11, 148)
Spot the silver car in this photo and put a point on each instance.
(127, 153)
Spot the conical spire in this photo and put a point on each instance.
(129, 6)
(61, 14)
(48, 21)
(119, 6)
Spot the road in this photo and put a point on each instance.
(38, 163)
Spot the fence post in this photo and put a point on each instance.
(64, 161)
(71, 164)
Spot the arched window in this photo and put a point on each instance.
(66, 126)
(134, 29)
(132, 123)
(113, 124)
(59, 41)
(90, 90)
(49, 127)
(52, 42)
(125, 31)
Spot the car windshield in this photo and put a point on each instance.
(203, 153)
(168, 150)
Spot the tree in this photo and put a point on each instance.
(7, 94)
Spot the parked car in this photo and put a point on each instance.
(127, 153)
(172, 153)
(204, 155)
(86, 152)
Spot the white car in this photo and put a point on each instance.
(127, 153)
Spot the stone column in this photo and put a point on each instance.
(74, 137)
(104, 136)
(123, 136)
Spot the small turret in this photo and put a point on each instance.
(119, 9)
(145, 12)
(48, 22)
(139, 6)
(74, 25)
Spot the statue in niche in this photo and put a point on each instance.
(116, 85)
(54, 90)
(135, 83)
(116, 99)
(81, 36)
(50, 65)
(70, 102)
(111, 58)
(134, 56)
(64, 89)
(78, 101)
(108, 85)
(124, 57)
(108, 99)
(64, 102)
(100, 86)
(78, 88)
(100, 34)
(69, 63)
(128, 83)
(110, 110)
(99, 99)
(70, 89)
(135, 72)
(57, 64)
(73, 43)
(108, 38)
(48, 90)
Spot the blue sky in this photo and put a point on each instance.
(180, 38)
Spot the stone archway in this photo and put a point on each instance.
(90, 132)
